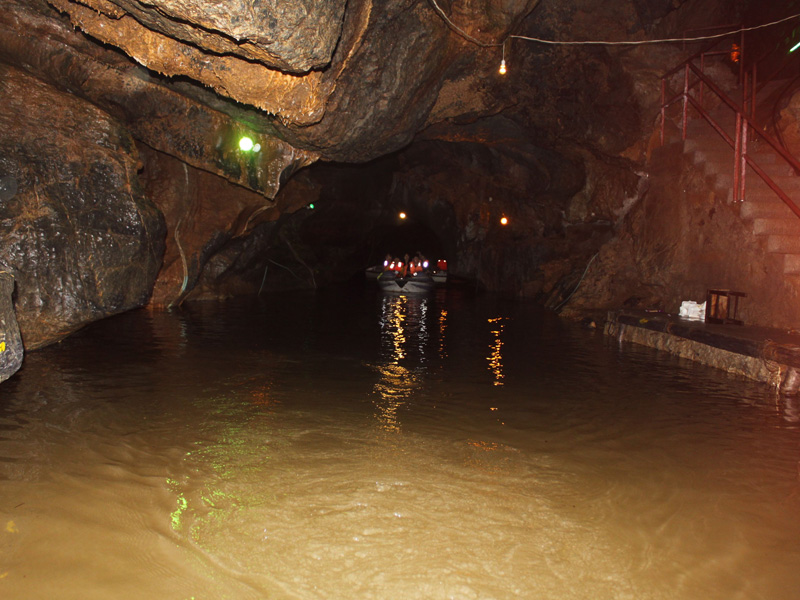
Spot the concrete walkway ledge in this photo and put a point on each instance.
(768, 355)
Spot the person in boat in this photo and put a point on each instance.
(397, 267)
(417, 265)
(423, 263)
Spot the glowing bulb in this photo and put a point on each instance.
(504, 221)
(246, 144)
(402, 215)
(311, 206)
(503, 67)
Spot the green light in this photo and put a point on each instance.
(311, 206)
(176, 515)
(246, 144)
(795, 47)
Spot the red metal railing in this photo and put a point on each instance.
(745, 127)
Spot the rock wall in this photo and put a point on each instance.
(81, 238)
(561, 207)
(682, 239)
(133, 188)
(205, 214)
(11, 349)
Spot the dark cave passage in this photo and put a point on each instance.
(408, 236)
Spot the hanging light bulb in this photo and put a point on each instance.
(503, 62)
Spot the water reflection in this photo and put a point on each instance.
(791, 410)
(404, 340)
(231, 460)
(495, 358)
(442, 332)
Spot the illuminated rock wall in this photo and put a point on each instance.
(139, 108)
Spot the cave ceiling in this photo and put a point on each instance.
(308, 80)
(334, 80)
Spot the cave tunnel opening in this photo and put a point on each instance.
(357, 219)
(406, 236)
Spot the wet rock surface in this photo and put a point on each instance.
(205, 215)
(171, 115)
(79, 236)
(11, 350)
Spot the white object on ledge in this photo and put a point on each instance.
(692, 310)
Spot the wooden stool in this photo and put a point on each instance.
(722, 306)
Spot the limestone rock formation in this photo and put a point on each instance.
(11, 350)
(123, 121)
(352, 85)
(294, 37)
(303, 80)
(79, 236)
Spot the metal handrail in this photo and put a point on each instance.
(744, 159)
(687, 99)
(701, 55)
(744, 124)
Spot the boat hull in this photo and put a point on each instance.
(417, 284)
(372, 273)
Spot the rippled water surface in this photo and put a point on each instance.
(349, 445)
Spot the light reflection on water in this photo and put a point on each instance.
(495, 357)
(366, 446)
(404, 342)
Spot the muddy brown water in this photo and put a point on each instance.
(350, 445)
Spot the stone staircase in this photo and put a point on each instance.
(770, 218)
